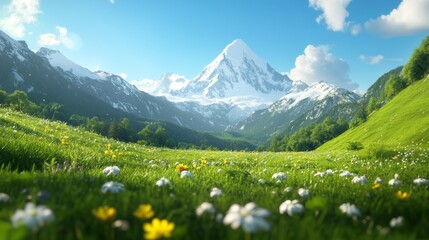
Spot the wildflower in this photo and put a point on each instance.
(225, 161)
(395, 181)
(279, 176)
(122, 225)
(303, 192)
(250, 217)
(262, 181)
(104, 213)
(362, 180)
(376, 186)
(291, 207)
(350, 210)
(158, 229)
(144, 211)
(162, 182)
(113, 187)
(203, 161)
(4, 198)
(205, 207)
(288, 189)
(216, 192)
(345, 174)
(64, 140)
(111, 170)
(378, 180)
(32, 216)
(319, 174)
(329, 172)
(421, 181)
(397, 222)
(185, 174)
(402, 195)
(181, 167)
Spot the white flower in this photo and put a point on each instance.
(262, 181)
(205, 207)
(418, 181)
(185, 174)
(319, 174)
(291, 207)
(395, 181)
(378, 180)
(32, 216)
(4, 198)
(345, 174)
(288, 189)
(162, 182)
(397, 222)
(362, 180)
(216, 192)
(111, 170)
(279, 176)
(350, 209)
(329, 172)
(303, 192)
(249, 217)
(113, 187)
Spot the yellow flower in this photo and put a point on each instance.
(203, 161)
(113, 156)
(402, 195)
(64, 140)
(108, 146)
(376, 186)
(144, 211)
(104, 213)
(158, 229)
(225, 161)
(181, 167)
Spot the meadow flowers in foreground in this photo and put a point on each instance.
(158, 229)
(250, 217)
(33, 217)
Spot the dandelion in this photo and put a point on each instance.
(181, 167)
(205, 207)
(144, 211)
(397, 222)
(185, 174)
(362, 180)
(279, 176)
(216, 192)
(303, 192)
(158, 229)
(402, 195)
(421, 181)
(113, 187)
(250, 217)
(162, 182)
(111, 170)
(33, 217)
(291, 207)
(104, 213)
(350, 210)
(376, 186)
(4, 198)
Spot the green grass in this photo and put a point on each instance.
(30, 147)
(403, 121)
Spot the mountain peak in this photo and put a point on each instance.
(45, 52)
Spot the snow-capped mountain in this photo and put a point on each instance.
(234, 85)
(298, 108)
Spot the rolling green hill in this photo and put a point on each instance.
(402, 121)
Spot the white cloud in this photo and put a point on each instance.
(71, 41)
(334, 13)
(123, 75)
(356, 29)
(318, 64)
(371, 59)
(112, 1)
(19, 13)
(411, 16)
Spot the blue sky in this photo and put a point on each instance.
(346, 42)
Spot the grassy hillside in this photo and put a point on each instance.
(59, 167)
(402, 121)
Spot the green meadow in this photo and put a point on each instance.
(61, 168)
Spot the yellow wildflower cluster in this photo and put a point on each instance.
(113, 153)
(64, 140)
(144, 211)
(402, 195)
(104, 213)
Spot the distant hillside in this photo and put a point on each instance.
(402, 121)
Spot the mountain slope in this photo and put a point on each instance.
(296, 109)
(402, 121)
